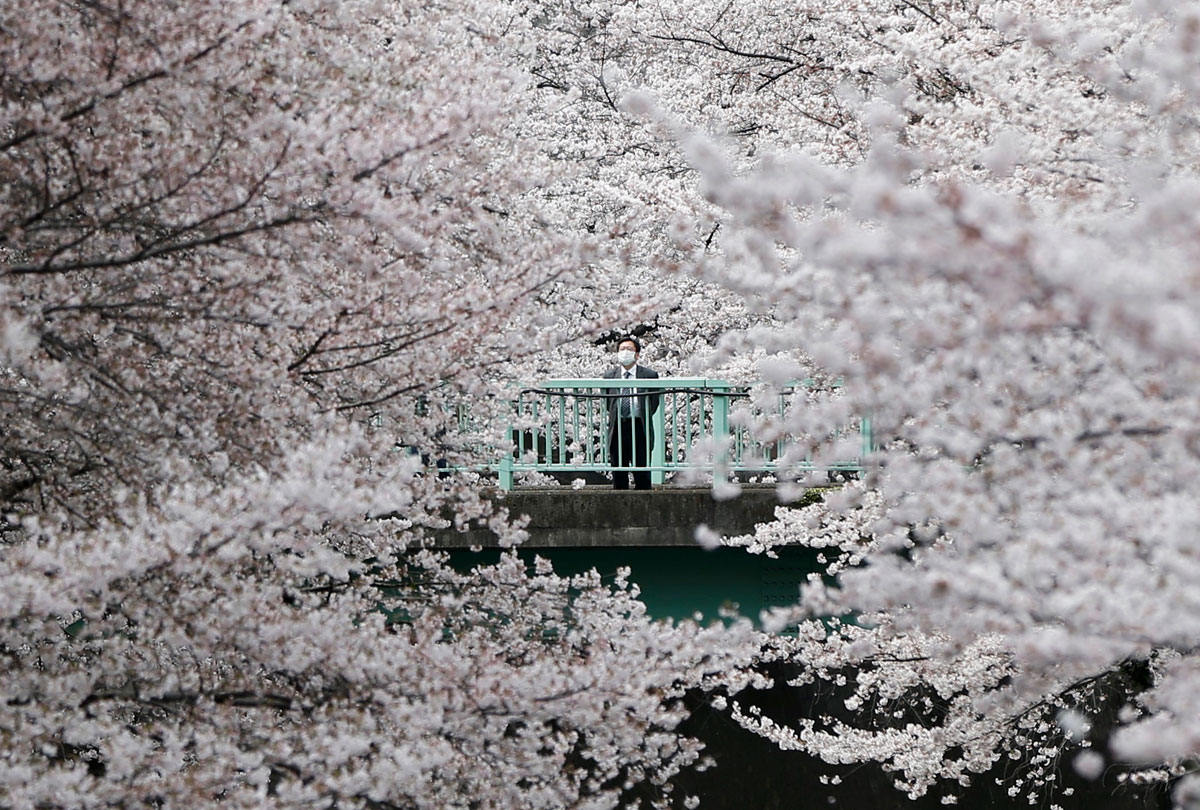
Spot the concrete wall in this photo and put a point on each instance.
(561, 517)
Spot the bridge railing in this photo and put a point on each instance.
(698, 425)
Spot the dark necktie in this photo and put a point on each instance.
(626, 400)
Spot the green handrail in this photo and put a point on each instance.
(551, 428)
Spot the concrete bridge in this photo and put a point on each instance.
(558, 430)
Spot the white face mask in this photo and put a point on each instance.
(625, 357)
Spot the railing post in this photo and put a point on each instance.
(505, 468)
(657, 449)
(868, 442)
(720, 422)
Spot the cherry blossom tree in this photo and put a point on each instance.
(252, 255)
(979, 217)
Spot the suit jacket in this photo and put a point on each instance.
(649, 402)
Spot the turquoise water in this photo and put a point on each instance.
(679, 582)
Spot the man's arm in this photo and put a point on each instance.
(610, 403)
(655, 398)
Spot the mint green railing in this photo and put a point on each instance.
(561, 426)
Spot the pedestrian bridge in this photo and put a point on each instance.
(707, 434)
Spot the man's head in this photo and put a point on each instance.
(628, 350)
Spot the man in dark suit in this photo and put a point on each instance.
(630, 425)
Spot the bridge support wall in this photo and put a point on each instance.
(597, 517)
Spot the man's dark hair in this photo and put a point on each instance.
(637, 347)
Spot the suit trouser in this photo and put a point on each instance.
(628, 448)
